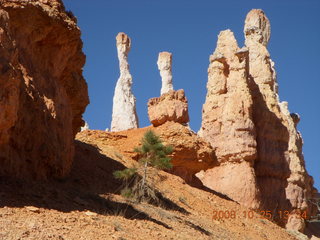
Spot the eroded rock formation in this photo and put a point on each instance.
(247, 125)
(280, 162)
(164, 66)
(227, 123)
(300, 185)
(271, 165)
(171, 106)
(85, 127)
(124, 115)
(191, 153)
(42, 90)
(227, 112)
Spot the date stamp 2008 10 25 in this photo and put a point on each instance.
(263, 214)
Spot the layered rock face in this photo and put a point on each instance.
(227, 123)
(164, 66)
(124, 115)
(171, 106)
(42, 90)
(242, 103)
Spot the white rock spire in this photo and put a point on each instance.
(124, 114)
(164, 66)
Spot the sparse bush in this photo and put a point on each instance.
(139, 182)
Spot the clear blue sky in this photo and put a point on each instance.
(189, 29)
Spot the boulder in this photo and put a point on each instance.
(170, 106)
(191, 153)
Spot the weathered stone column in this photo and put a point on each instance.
(165, 66)
(227, 123)
(124, 114)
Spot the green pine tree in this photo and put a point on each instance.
(139, 182)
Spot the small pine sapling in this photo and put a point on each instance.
(139, 182)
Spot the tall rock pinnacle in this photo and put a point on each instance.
(227, 123)
(280, 162)
(257, 35)
(164, 66)
(124, 114)
(254, 135)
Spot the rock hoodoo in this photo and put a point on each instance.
(42, 90)
(253, 134)
(227, 123)
(164, 66)
(171, 106)
(280, 162)
(124, 115)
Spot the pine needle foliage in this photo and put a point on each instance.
(139, 182)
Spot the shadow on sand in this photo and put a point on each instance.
(87, 187)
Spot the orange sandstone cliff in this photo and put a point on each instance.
(43, 93)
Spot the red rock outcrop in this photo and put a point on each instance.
(245, 122)
(43, 93)
(170, 106)
(227, 123)
(191, 153)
